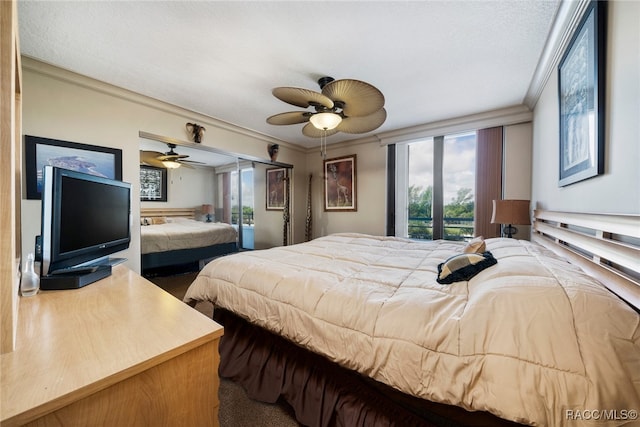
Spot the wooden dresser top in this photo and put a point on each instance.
(73, 343)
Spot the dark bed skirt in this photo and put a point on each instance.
(185, 256)
(321, 392)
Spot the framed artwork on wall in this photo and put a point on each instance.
(276, 181)
(91, 159)
(581, 90)
(340, 184)
(153, 184)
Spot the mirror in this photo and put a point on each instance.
(222, 187)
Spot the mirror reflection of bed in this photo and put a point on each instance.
(211, 194)
(172, 239)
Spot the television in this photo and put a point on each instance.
(85, 218)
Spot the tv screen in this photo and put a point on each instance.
(85, 218)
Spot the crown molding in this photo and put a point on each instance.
(80, 80)
(564, 24)
(503, 117)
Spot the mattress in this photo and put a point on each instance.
(184, 233)
(531, 339)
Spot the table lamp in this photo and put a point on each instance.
(207, 209)
(510, 212)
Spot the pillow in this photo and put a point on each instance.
(463, 267)
(475, 246)
(158, 220)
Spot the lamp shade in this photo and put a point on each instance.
(325, 121)
(207, 209)
(511, 212)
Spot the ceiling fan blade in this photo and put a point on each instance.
(359, 98)
(313, 132)
(301, 97)
(154, 163)
(150, 158)
(290, 118)
(172, 157)
(144, 154)
(186, 165)
(363, 124)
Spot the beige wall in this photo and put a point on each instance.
(618, 190)
(516, 184)
(62, 105)
(187, 188)
(370, 186)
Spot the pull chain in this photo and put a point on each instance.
(323, 144)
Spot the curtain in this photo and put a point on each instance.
(488, 180)
(226, 197)
(285, 212)
(308, 231)
(391, 190)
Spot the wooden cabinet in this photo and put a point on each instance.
(120, 351)
(10, 172)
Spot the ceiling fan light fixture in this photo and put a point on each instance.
(347, 105)
(325, 121)
(170, 164)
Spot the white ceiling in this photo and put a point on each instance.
(433, 60)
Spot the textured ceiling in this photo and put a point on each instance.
(432, 60)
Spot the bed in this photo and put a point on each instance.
(172, 236)
(352, 329)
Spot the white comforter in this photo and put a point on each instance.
(184, 233)
(532, 339)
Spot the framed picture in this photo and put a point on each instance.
(581, 90)
(276, 181)
(340, 184)
(153, 184)
(91, 159)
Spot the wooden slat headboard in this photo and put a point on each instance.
(168, 212)
(606, 246)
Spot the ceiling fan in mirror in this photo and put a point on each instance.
(347, 105)
(168, 160)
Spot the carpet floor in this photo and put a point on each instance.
(236, 408)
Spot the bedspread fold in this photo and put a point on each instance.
(184, 233)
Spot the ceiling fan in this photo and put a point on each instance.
(349, 106)
(168, 160)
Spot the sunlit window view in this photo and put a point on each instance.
(247, 206)
(455, 158)
(420, 190)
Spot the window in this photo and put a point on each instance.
(232, 193)
(435, 187)
(242, 194)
